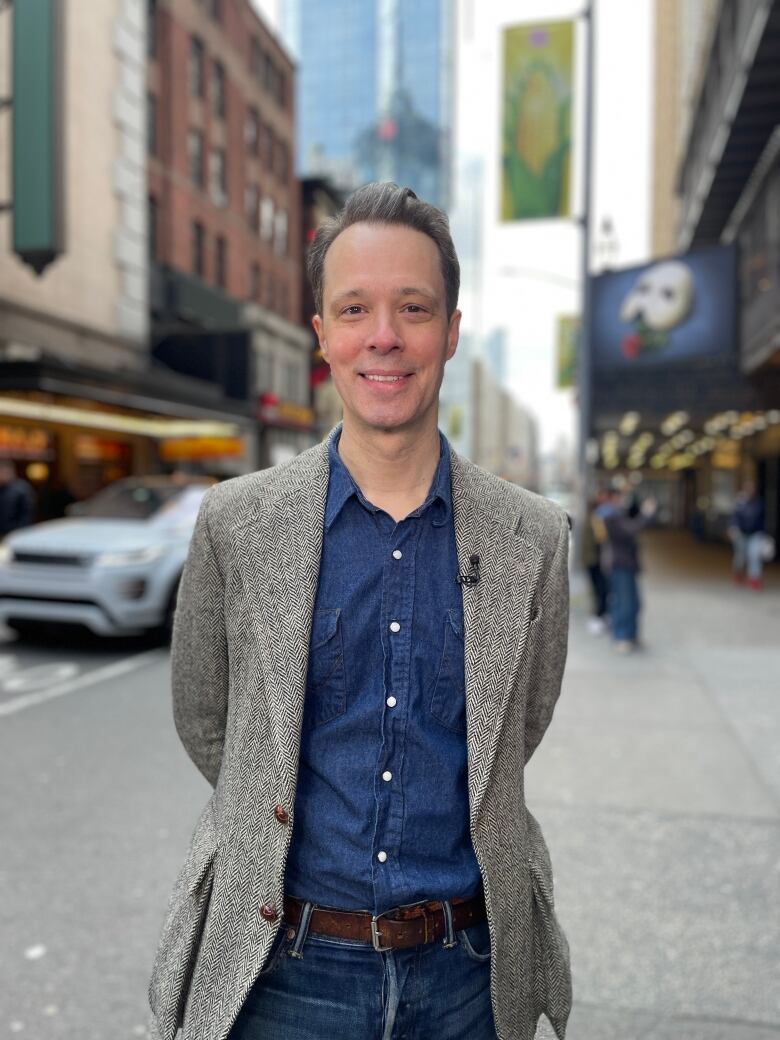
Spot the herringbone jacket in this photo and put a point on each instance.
(239, 658)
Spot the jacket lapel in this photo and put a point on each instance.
(283, 551)
(496, 616)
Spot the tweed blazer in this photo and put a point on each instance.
(239, 661)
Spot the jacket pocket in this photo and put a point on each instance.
(448, 696)
(552, 974)
(327, 682)
(181, 935)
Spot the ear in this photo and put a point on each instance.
(316, 324)
(453, 332)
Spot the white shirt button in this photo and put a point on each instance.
(397, 554)
(391, 702)
(387, 775)
(381, 856)
(395, 626)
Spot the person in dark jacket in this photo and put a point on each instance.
(623, 527)
(747, 535)
(17, 500)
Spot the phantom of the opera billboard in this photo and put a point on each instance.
(665, 333)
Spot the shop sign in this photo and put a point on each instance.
(20, 442)
(190, 448)
(95, 449)
(273, 412)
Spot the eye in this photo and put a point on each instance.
(415, 308)
(353, 309)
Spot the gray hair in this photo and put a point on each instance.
(386, 203)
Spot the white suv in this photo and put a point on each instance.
(113, 565)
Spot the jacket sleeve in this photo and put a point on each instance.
(550, 644)
(199, 660)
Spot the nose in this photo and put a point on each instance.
(384, 334)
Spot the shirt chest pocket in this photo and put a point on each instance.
(326, 688)
(448, 696)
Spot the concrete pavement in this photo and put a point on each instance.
(658, 786)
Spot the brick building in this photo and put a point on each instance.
(225, 235)
(224, 204)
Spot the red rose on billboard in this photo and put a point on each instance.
(631, 346)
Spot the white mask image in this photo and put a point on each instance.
(662, 297)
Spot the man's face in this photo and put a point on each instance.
(384, 329)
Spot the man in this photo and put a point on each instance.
(17, 500)
(368, 647)
(747, 535)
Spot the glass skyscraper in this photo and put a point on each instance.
(374, 86)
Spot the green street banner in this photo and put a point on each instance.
(568, 334)
(536, 121)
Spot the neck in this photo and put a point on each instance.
(393, 469)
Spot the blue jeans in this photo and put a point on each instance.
(314, 987)
(747, 554)
(623, 603)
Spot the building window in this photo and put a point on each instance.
(267, 219)
(280, 232)
(195, 156)
(255, 58)
(218, 177)
(153, 217)
(198, 248)
(265, 372)
(252, 130)
(151, 29)
(196, 76)
(151, 123)
(254, 282)
(269, 147)
(291, 381)
(221, 262)
(252, 206)
(215, 9)
(218, 90)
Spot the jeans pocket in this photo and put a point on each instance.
(475, 942)
(448, 696)
(326, 688)
(278, 948)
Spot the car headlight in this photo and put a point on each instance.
(127, 559)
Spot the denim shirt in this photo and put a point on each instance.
(381, 810)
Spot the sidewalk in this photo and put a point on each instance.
(658, 787)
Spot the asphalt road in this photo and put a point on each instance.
(97, 801)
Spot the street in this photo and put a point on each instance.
(658, 787)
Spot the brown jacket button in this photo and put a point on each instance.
(269, 912)
(281, 814)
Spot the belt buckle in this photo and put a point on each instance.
(376, 935)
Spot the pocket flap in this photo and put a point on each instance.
(324, 626)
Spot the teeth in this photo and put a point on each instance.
(385, 379)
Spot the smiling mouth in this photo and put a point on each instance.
(383, 379)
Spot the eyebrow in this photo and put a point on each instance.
(407, 290)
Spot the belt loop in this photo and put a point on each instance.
(303, 930)
(449, 930)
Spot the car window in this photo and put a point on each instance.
(122, 501)
(182, 510)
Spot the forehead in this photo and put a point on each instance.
(377, 256)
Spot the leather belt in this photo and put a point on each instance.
(395, 929)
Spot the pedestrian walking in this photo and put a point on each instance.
(593, 537)
(17, 500)
(623, 527)
(747, 535)
(368, 647)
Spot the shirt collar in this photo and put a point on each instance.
(342, 487)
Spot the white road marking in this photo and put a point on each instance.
(34, 953)
(81, 682)
(39, 677)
